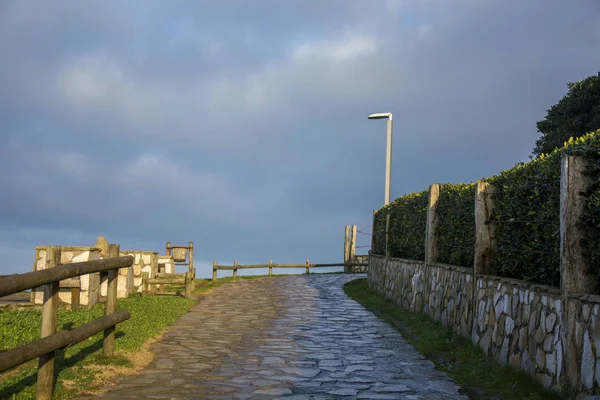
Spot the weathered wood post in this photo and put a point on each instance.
(191, 266)
(353, 244)
(575, 273)
(75, 298)
(188, 285)
(373, 235)
(307, 266)
(145, 277)
(270, 268)
(45, 376)
(485, 230)
(111, 301)
(484, 260)
(214, 277)
(387, 235)
(235, 264)
(431, 251)
(346, 246)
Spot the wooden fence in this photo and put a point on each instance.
(51, 341)
(186, 280)
(270, 265)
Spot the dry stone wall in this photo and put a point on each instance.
(520, 324)
(70, 254)
(143, 261)
(359, 269)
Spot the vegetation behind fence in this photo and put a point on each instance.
(527, 209)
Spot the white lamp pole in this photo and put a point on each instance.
(388, 154)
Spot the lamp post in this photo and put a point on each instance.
(388, 153)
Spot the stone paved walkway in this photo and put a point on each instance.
(297, 337)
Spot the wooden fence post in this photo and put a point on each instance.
(214, 277)
(353, 244)
(111, 301)
(235, 263)
(270, 268)
(373, 240)
(576, 276)
(387, 234)
(45, 376)
(346, 245)
(145, 277)
(307, 266)
(485, 231)
(431, 252)
(75, 298)
(191, 266)
(188, 285)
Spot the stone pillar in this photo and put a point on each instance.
(432, 222)
(575, 273)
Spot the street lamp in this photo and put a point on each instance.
(388, 153)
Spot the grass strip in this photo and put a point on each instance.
(480, 376)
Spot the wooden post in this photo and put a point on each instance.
(353, 244)
(387, 234)
(373, 235)
(270, 268)
(235, 263)
(431, 252)
(307, 266)
(111, 302)
(191, 257)
(576, 277)
(214, 278)
(188, 285)
(347, 245)
(168, 251)
(45, 376)
(485, 230)
(75, 298)
(145, 277)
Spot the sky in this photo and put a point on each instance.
(242, 125)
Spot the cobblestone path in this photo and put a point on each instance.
(296, 337)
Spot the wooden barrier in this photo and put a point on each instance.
(270, 266)
(50, 340)
(186, 280)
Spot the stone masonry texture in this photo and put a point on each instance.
(519, 323)
(296, 337)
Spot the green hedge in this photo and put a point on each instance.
(408, 220)
(527, 212)
(456, 224)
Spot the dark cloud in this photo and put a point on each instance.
(242, 126)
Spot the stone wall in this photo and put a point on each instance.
(166, 262)
(518, 323)
(70, 254)
(358, 269)
(144, 261)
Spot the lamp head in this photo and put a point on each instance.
(381, 115)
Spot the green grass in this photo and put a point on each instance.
(76, 368)
(480, 376)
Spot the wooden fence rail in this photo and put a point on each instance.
(51, 341)
(270, 265)
(186, 280)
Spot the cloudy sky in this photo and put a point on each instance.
(241, 125)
